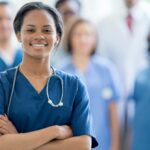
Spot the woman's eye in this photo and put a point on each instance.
(30, 30)
(48, 31)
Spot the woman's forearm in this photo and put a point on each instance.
(73, 143)
(28, 141)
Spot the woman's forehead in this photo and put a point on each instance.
(38, 17)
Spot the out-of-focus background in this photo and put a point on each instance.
(118, 31)
(94, 10)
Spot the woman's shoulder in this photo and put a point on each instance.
(65, 75)
(68, 78)
(103, 63)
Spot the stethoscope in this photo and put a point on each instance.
(59, 104)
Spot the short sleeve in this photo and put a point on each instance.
(115, 84)
(113, 91)
(81, 122)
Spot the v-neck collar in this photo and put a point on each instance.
(30, 85)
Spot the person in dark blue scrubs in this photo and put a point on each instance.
(42, 108)
(141, 96)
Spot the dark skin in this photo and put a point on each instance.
(6, 126)
(38, 36)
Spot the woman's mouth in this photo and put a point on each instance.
(38, 45)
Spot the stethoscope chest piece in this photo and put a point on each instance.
(60, 104)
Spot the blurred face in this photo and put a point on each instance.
(6, 26)
(131, 3)
(83, 39)
(68, 10)
(38, 34)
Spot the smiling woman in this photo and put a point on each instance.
(39, 35)
(49, 108)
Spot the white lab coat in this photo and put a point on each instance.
(125, 49)
(128, 52)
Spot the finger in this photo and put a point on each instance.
(2, 122)
(4, 118)
(3, 131)
(1, 116)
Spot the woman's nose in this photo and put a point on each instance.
(39, 36)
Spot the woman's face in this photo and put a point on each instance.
(38, 34)
(83, 39)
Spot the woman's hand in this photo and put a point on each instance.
(64, 132)
(6, 126)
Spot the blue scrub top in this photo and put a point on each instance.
(141, 123)
(17, 60)
(30, 110)
(103, 85)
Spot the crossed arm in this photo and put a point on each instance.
(51, 138)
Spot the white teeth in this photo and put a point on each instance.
(38, 45)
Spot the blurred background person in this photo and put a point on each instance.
(10, 54)
(69, 9)
(141, 126)
(100, 78)
(123, 41)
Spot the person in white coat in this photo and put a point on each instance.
(123, 41)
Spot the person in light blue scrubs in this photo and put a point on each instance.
(141, 96)
(10, 54)
(100, 78)
(41, 107)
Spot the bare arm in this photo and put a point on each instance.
(73, 143)
(33, 140)
(114, 126)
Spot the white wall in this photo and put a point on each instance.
(95, 10)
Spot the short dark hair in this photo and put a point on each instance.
(4, 3)
(70, 32)
(18, 21)
(60, 2)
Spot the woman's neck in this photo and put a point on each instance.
(81, 62)
(36, 67)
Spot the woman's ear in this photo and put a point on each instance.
(57, 40)
(18, 35)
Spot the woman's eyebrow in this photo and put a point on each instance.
(30, 25)
(47, 26)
